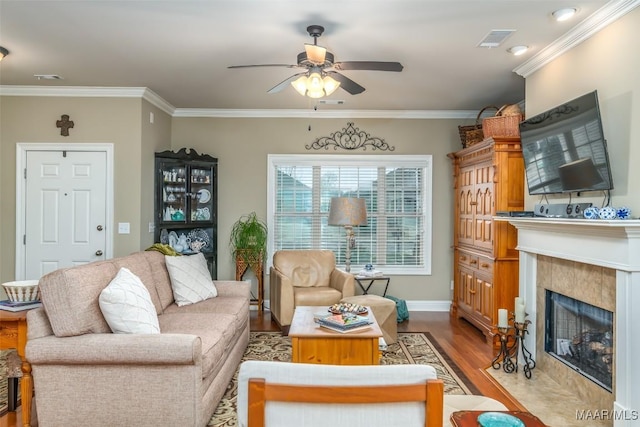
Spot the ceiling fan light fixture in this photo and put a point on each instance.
(3, 52)
(300, 85)
(314, 82)
(330, 85)
(564, 14)
(315, 54)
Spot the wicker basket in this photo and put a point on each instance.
(472, 134)
(503, 124)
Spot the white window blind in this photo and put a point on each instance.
(397, 192)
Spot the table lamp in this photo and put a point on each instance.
(348, 212)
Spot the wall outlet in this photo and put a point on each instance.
(152, 227)
(452, 285)
(124, 228)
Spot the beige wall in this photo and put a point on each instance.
(242, 145)
(607, 62)
(103, 120)
(156, 137)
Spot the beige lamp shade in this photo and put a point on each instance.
(347, 211)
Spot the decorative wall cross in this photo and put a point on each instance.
(64, 124)
(350, 138)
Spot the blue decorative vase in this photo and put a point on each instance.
(608, 212)
(591, 212)
(623, 212)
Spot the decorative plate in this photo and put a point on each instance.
(623, 212)
(203, 195)
(200, 235)
(608, 212)
(591, 213)
(499, 419)
(345, 307)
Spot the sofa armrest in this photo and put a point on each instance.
(233, 288)
(344, 282)
(116, 349)
(281, 297)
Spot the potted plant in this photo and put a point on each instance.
(249, 238)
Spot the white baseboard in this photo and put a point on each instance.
(411, 305)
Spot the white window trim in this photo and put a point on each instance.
(416, 161)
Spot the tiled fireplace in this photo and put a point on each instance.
(596, 262)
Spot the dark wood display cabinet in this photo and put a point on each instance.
(186, 203)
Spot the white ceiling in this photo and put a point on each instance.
(181, 49)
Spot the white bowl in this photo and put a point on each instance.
(22, 290)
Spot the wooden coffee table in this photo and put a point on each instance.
(470, 418)
(312, 343)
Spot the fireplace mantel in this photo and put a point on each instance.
(614, 244)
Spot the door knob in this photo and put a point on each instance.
(98, 252)
(99, 228)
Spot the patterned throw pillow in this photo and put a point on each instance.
(190, 279)
(126, 305)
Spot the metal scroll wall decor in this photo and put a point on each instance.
(350, 138)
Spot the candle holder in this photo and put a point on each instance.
(511, 342)
(508, 349)
(520, 332)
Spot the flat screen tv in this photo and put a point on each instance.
(564, 149)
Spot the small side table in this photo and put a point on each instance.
(365, 287)
(470, 418)
(256, 265)
(13, 334)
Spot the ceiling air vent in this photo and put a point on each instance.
(495, 38)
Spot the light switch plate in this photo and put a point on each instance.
(124, 228)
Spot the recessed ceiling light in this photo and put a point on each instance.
(47, 77)
(564, 14)
(518, 50)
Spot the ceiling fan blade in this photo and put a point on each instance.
(263, 65)
(280, 86)
(368, 65)
(346, 83)
(315, 53)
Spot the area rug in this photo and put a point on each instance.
(411, 348)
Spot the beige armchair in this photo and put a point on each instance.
(305, 277)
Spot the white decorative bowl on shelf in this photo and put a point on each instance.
(608, 212)
(623, 212)
(591, 212)
(22, 290)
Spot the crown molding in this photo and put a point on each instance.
(154, 99)
(604, 16)
(89, 92)
(326, 114)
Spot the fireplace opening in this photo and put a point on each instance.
(581, 336)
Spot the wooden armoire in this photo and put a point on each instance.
(488, 178)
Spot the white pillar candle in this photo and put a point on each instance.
(519, 301)
(520, 314)
(502, 318)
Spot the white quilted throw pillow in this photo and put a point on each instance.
(190, 279)
(127, 307)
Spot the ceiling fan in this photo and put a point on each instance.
(321, 76)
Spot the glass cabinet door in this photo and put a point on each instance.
(201, 194)
(174, 192)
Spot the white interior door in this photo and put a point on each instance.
(65, 210)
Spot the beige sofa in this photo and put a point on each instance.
(305, 277)
(86, 375)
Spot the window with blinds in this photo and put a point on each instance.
(397, 192)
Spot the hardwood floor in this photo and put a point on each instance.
(464, 344)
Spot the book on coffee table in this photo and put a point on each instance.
(345, 322)
(8, 305)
